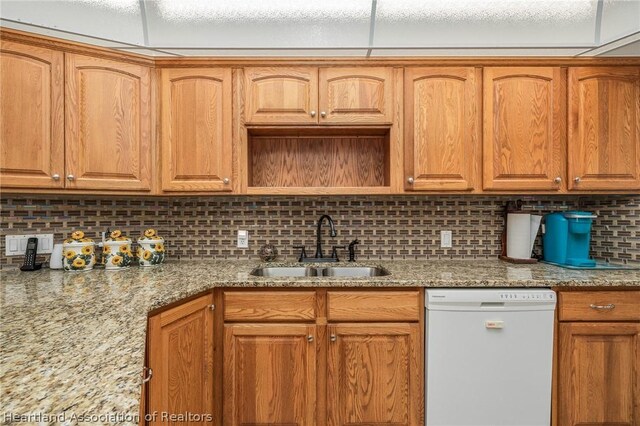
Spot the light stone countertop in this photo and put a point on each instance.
(73, 343)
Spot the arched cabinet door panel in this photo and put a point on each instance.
(604, 128)
(31, 116)
(442, 128)
(524, 128)
(196, 146)
(108, 124)
(357, 95)
(281, 95)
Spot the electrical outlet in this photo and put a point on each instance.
(243, 239)
(15, 245)
(445, 239)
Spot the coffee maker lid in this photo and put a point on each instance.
(575, 214)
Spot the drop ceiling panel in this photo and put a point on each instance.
(619, 18)
(258, 23)
(115, 20)
(490, 23)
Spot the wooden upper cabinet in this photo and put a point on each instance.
(108, 124)
(181, 357)
(269, 374)
(374, 374)
(357, 95)
(31, 117)
(604, 128)
(524, 128)
(196, 129)
(281, 95)
(599, 374)
(442, 128)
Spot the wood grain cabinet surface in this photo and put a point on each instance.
(269, 374)
(196, 144)
(31, 116)
(281, 95)
(108, 124)
(181, 356)
(373, 374)
(604, 128)
(358, 95)
(442, 128)
(524, 128)
(599, 374)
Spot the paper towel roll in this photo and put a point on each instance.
(535, 226)
(519, 235)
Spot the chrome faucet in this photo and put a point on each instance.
(319, 254)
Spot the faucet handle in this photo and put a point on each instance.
(303, 253)
(334, 252)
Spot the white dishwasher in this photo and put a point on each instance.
(488, 357)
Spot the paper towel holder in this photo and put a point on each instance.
(512, 207)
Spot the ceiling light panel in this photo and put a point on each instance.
(116, 20)
(491, 23)
(258, 23)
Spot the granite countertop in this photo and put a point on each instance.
(72, 344)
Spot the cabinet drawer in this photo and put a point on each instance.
(373, 305)
(599, 306)
(269, 305)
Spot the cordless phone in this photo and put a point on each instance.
(30, 256)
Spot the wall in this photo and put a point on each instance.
(398, 227)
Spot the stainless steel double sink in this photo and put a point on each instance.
(319, 271)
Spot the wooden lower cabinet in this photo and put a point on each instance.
(374, 374)
(599, 374)
(269, 374)
(180, 343)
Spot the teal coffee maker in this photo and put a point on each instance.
(567, 238)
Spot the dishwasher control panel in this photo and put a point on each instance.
(527, 296)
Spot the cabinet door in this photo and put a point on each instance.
(108, 124)
(31, 117)
(524, 128)
(356, 95)
(281, 95)
(181, 358)
(269, 374)
(604, 128)
(196, 129)
(373, 374)
(442, 125)
(599, 374)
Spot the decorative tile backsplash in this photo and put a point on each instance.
(389, 227)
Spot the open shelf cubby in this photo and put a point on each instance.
(319, 158)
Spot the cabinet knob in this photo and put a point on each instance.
(323, 114)
(313, 113)
(557, 179)
(309, 338)
(410, 180)
(334, 337)
(55, 177)
(226, 181)
(71, 177)
(576, 179)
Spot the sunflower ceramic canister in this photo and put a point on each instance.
(78, 253)
(150, 248)
(116, 251)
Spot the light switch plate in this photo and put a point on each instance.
(243, 239)
(15, 245)
(445, 239)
